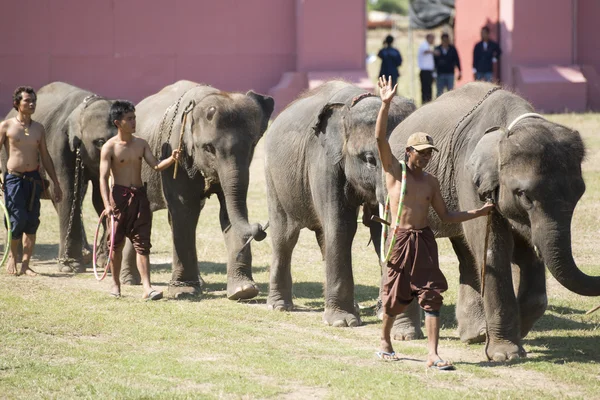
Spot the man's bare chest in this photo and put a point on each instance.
(18, 138)
(127, 155)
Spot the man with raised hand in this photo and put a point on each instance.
(413, 269)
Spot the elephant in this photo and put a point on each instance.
(321, 165)
(492, 145)
(76, 125)
(217, 145)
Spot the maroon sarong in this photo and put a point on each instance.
(133, 218)
(413, 270)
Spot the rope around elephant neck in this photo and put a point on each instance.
(451, 142)
(384, 231)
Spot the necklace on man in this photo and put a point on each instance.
(25, 128)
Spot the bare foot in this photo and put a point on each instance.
(386, 352)
(437, 363)
(115, 291)
(11, 268)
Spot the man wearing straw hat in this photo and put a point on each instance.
(121, 157)
(412, 267)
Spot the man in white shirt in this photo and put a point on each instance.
(427, 67)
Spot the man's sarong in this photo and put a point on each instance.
(413, 271)
(133, 218)
(22, 193)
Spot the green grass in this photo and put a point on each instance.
(62, 336)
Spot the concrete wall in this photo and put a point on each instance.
(132, 48)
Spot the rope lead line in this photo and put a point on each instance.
(384, 231)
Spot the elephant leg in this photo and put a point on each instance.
(70, 226)
(469, 308)
(102, 251)
(129, 272)
(531, 289)
(284, 236)
(407, 325)
(339, 229)
(503, 338)
(240, 285)
(185, 277)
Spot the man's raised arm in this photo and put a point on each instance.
(386, 92)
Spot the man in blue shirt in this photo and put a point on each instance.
(485, 54)
(446, 61)
(390, 60)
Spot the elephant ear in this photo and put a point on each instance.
(73, 129)
(329, 128)
(483, 163)
(266, 104)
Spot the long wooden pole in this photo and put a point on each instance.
(187, 110)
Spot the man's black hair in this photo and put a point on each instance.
(118, 109)
(389, 39)
(485, 28)
(445, 36)
(18, 95)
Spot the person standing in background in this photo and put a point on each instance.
(427, 66)
(446, 61)
(391, 60)
(485, 54)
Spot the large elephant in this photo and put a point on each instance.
(220, 135)
(76, 124)
(533, 171)
(321, 164)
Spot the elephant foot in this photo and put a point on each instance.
(69, 266)
(471, 334)
(184, 290)
(341, 319)
(279, 305)
(407, 334)
(504, 351)
(241, 289)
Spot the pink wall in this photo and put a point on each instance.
(535, 33)
(132, 48)
(588, 21)
(471, 16)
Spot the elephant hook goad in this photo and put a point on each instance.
(76, 124)
(219, 137)
(533, 170)
(321, 164)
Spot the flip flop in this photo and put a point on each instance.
(154, 295)
(436, 365)
(115, 295)
(385, 356)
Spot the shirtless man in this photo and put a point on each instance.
(413, 269)
(23, 185)
(121, 157)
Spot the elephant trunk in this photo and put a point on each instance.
(552, 238)
(234, 182)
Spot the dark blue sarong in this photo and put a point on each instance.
(22, 194)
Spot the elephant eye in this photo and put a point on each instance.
(370, 160)
(99, 143)
(524, 199)
(209, 148)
